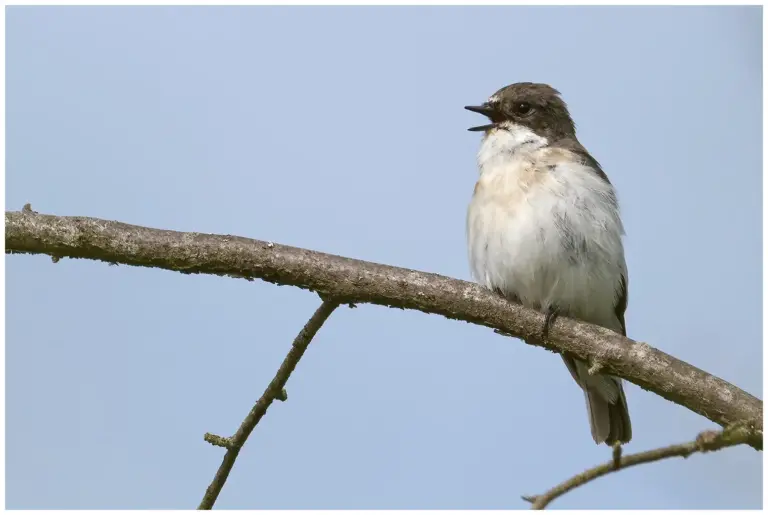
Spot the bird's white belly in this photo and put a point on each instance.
(548, 240)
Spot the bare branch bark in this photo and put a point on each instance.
(706, 441)
(234, 443)
(350, 280)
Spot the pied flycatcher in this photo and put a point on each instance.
(544, 230)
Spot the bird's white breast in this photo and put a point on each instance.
(545, 228)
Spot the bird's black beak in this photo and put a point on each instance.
(486, 110)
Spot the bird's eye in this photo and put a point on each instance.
(522, 108)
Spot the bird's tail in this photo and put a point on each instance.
(609, 422)
(606, 403)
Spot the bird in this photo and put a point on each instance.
(544, 230)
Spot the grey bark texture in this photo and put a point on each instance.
(354, 281)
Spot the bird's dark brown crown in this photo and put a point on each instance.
(536, 106)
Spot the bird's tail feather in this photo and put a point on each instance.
(606, 403)
(609, 422)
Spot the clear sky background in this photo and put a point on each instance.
(343, 130)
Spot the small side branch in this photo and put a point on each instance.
(706, 441)
(275, 390)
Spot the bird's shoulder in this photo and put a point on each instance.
(576, 151)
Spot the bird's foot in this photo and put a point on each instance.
(549, 319)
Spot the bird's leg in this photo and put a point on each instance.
(549, 319)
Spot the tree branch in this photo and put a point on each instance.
(706, 441)
(273, 391)
(354, 281)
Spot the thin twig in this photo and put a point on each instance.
(617, 451)
(355, 281)
(218, 441)
(273, 391)
(595, 367)
(706, 441)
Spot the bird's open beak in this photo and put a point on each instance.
(485, 110)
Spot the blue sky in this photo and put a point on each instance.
(343, 130)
